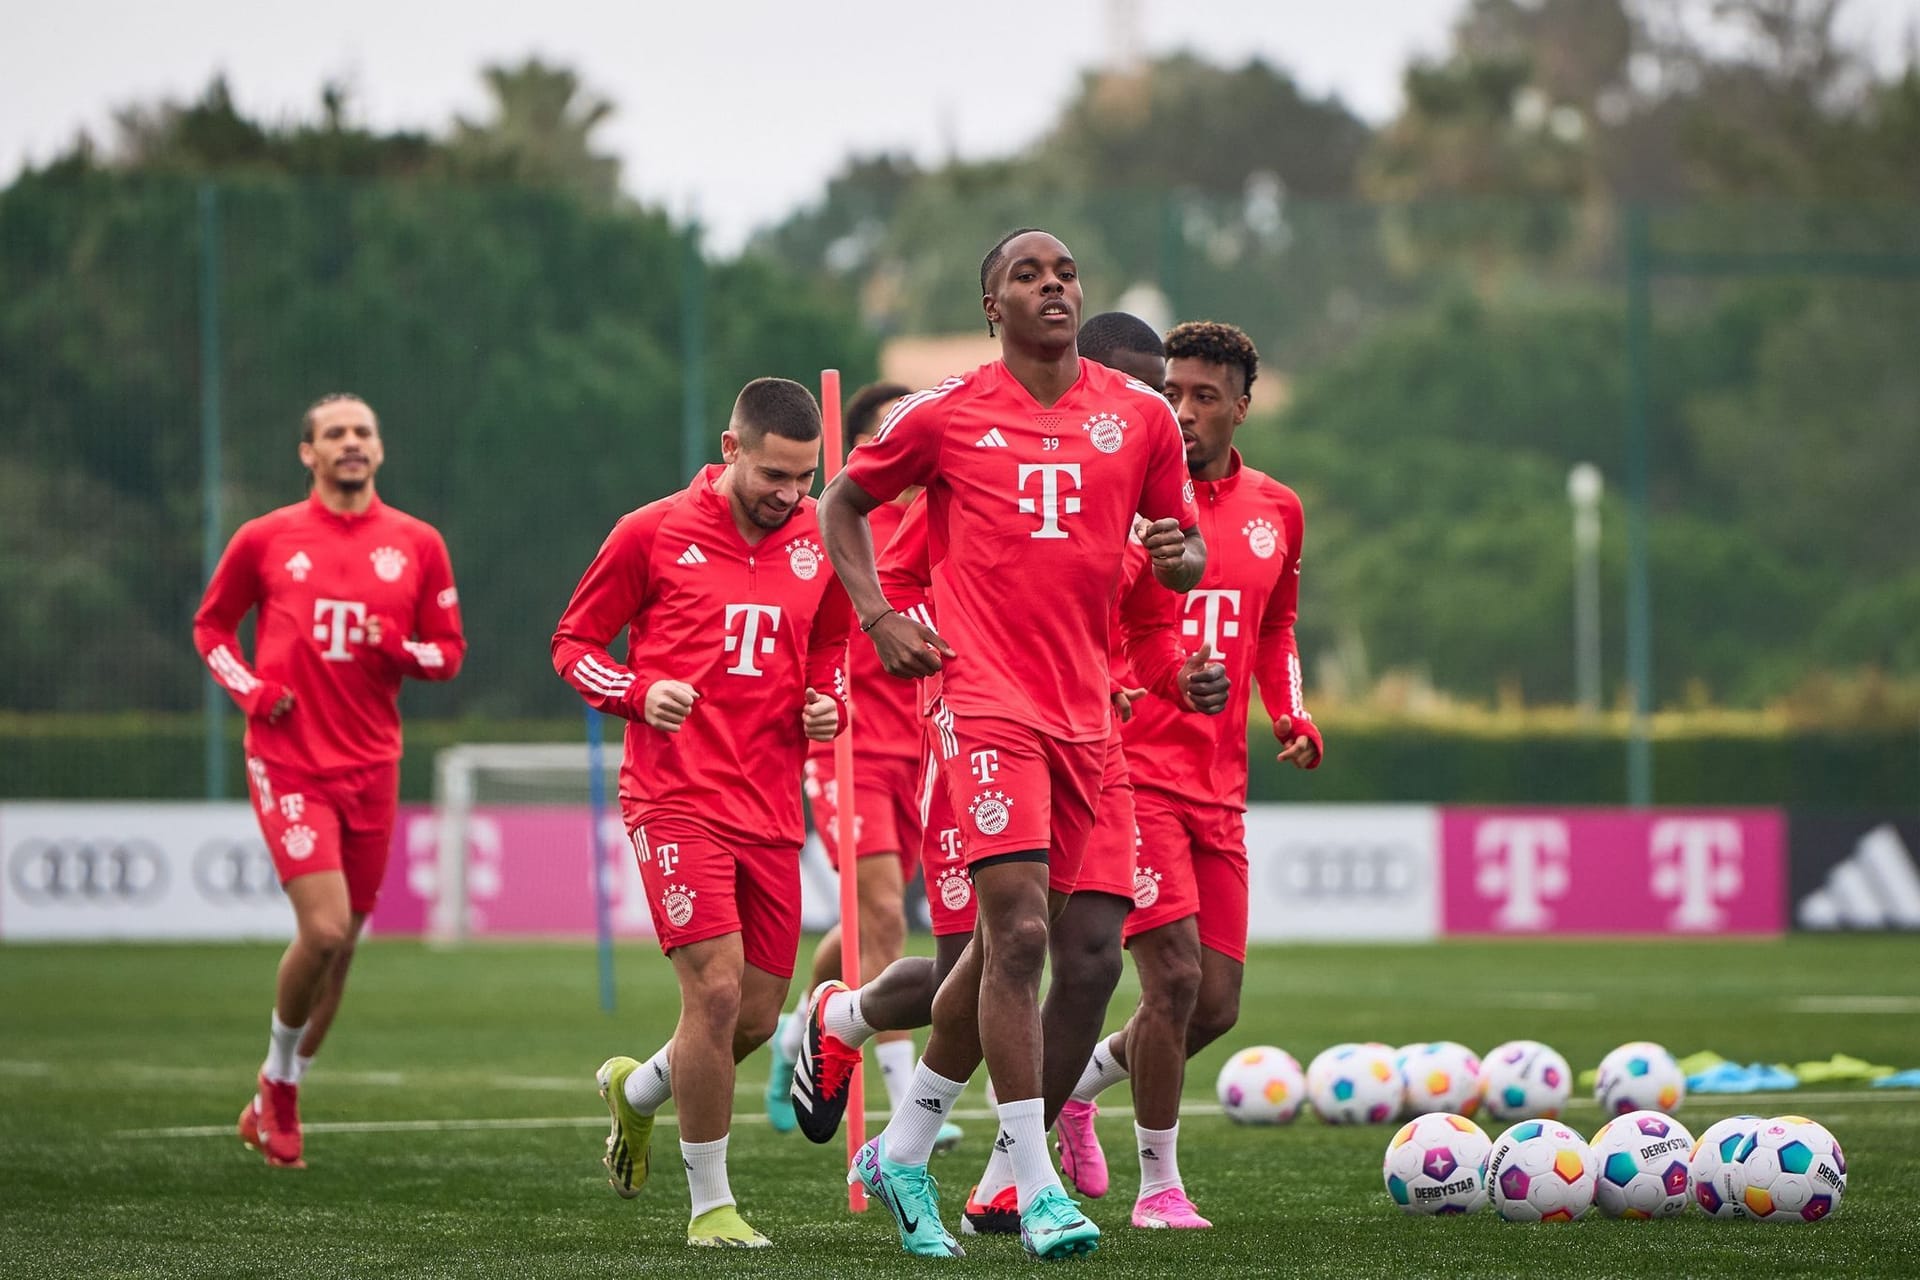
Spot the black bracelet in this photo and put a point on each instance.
(867, 627)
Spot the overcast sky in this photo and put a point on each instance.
(740, 110)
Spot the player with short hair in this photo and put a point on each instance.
(1035, 466)
(353, 596)
(1188, 935)
(736, 644)
(888, 766)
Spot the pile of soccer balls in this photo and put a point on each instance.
(1642, 1163)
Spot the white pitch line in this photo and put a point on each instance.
(1825, 1099)
(1854, 1004)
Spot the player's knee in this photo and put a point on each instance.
(754, 1028)
(1089, 966)
(1170, 983)
(712, 1002)
(1018, 946)
(1215, 1014)
(328, 936)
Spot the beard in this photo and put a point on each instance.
(768, 517)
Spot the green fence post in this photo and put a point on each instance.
(693, 372)
(1639, 592)
(215, 699)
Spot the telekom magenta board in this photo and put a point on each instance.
(1545, 871)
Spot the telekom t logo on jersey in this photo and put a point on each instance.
(986, 764)
(1524, 862)
(754, 638)
(1697, 861)
(1219, 618)
(337, 624)
(1050, 506)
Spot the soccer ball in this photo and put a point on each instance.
(1355, 1084)
(1641, 1076)
(1523, 1080)
(1716, 1148)
(1261, 1085)
(1438, 1164)
(1642, 1166)
(1789, 1170)
(1442, 1076)
(1540, 1171)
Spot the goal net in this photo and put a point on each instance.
(519, 843)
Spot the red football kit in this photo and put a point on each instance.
(714, 808)
(1189, 770)
(1142, 628)
(886, 752)
(324, 778)
(1028, 513)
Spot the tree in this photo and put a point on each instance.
(541, 134)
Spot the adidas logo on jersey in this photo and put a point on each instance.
(992, 440)
(693, 555)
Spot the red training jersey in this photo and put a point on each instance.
(1244, 607)
(1028, 513)
(886, 721)
(316, 576)
(751, 626)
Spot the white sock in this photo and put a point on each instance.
(896, 1069)
(1023, 1136)
(302, 1062)
(843, 1020)
(651, 1084)
(1159, 1163)
(1102, 1072)
(282, 1040)
(792, 1035)
(706, 1174)
(998, 1176)
(916, 1123)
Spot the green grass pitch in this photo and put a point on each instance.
(454, 1128)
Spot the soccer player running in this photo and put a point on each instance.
(1077, 450)
(1189, 934)
(352, 596)
(888, 765)
(1085, 939)
(736, 640)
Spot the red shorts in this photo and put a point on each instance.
(328, 822)
(1193, 861)
(943, 858)
(886, 807)
(1014, 789)
(1109, 864)
(700, 888)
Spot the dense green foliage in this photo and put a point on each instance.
(453, 1127)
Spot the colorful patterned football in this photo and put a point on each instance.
(1442, 1076)
(1642, 1169)
(1524, 1080)
(1261, 1085)
(1540, 1171)
(1718, 1145)
(1355, 1084)
(1789, 1170)
(1641, 1076)
(1438, 1164)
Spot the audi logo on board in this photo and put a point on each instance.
(78, 870)
(1348, 872)
(235, 871)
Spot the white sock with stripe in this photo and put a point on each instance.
(1159, 1163)
(1103, 1072)
(1023, 1136)
(915, 1125)
(896, 1069)
(282, 1042)
(651, 1083)
(706, 1174)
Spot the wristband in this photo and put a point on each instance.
(867, 627)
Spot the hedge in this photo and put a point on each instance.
(161, 757)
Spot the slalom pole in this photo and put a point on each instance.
(856, 1121)
(596, 818)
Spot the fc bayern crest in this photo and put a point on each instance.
(804, 557)
(1261, 539)
(299, 841)
(956, 889)
(678, 903)
(1108, 431)
(1146, 887)
(989, 810)
(389, 563)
